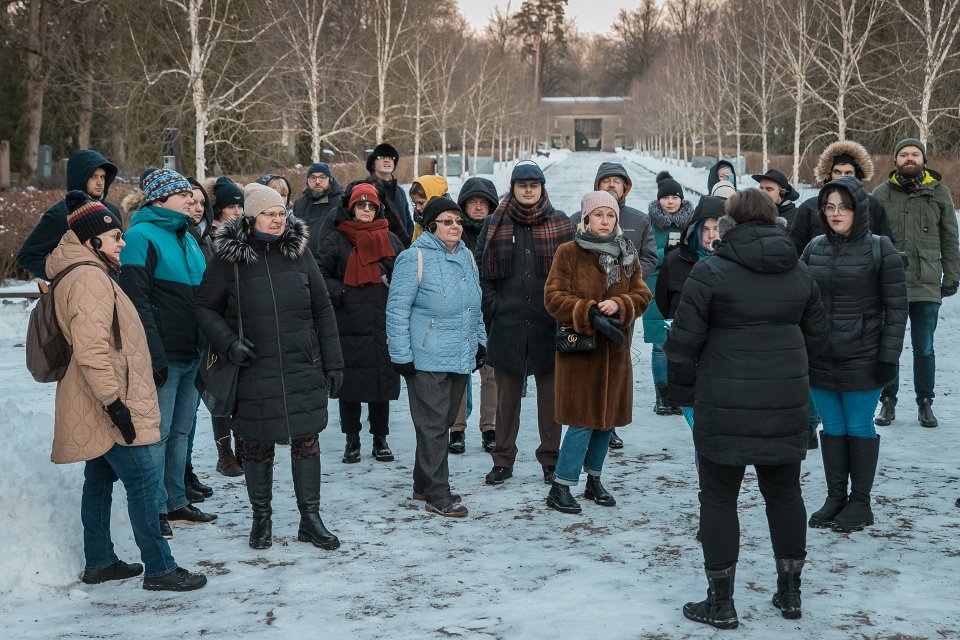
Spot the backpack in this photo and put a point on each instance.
(48, 352)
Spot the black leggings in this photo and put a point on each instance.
(378, 414)
(300, 449)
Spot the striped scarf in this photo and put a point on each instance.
(549, 228)
(911, 185)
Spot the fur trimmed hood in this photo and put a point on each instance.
(234, 241)
(850, 148)
(132, 202)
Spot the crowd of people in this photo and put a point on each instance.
(764, 319)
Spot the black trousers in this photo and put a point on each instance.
(221, 427)
(378, 414)
(720, 526)
(434, 403)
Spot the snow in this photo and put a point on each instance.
(513, 568)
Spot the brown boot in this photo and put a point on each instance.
(226, 462)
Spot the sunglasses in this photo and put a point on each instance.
(450, 221)
(365, 206)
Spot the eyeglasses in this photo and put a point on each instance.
(116, 237)
(450, 221)
(842, 208)
(274, 216)
(317, 178)
(365, 206)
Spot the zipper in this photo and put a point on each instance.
(276, 315)
(433, 321)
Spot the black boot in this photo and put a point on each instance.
(192, 494)
(489, 440)
(616, 442)
(661, 408)
(717, 610)
(259, 476)
(351, 453)
(227, 463)
(306, 484)
(888, 411)
(862, 454)
(596, 492)
(191, 479)
(458, 442)
(834, 452)
(561, 499)
(381, 450)
(787, 597)
(925, 413)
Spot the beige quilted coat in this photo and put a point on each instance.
(98, 374)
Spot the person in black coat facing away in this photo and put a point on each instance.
(863, 284)
(318, 204)
(289, 357)
(749, 318)
(356, 261)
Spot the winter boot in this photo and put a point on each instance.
(259, 477)
(925, 413)
(489, 440)
(661, 408)
(192, 494)
(190, 479)
(862, 455)
(596, 492)
(616, 442)
(306, 485)
(561, 499)
(226, 462)
(458, 442)
(834, 452)
(717, 610)
(381, 450)
(888, 411)
(351, 453)
(787, 597)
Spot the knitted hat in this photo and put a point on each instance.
(363, 192)
(226, 193)
(164, 183)
(88, 218)
(597, 199)
(143, 175)
(382, 150)
(667, 186)
(527, 170)
(723, 189)
(258, 198)
(319, 167)
(911, 142)
(437, 205)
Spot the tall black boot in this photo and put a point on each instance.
(306, 484)
(661, 408)
(862, 454)
(717, 610)
(834, 452)
(787, 597)
(259, 477)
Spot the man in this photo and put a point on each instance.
(613, 178)
(381, 164)
(87, 171)
(162, 269)
(924, 220)
(775, 184)
(515, 251)
(319, 202)
(722, 170)
(842, 158)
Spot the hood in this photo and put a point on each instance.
(69, 251)
(479, 187)
(861, 208)
(432, 185)
(81, 166)
(131, 202)
(707, 207)
(822, 172)
(762, 247)
(608, 169)
(207, 206)
(234, 242)
(164, 218)
(712, 178)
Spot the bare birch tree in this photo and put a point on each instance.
(388, 24)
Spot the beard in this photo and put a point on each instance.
(315, 193)
(910, 170)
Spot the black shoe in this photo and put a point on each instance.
(306, 485)
(597, 493)
(458, 442)
(119, 570)
(616, 442)
(660, 407)
(165, 529)
(192, 494)
(453, 509)
(549, 473)
(177, 580)
(381, 450)
(834, 452)
(862, 454)
(421, 496)
(717, 610)
(925, 413)
(498, 474)
(190, 479)
(562, 500)
(489, 440)
(191, 515)
(699, 535)
(259, 477)
(787, 597)
(888, 411)
(351, 453)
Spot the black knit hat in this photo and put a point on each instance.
(667, 186)
(383, 149)
(437, 205)
(226, 192)
(88, 218)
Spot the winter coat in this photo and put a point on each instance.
(866, 302)
(397, 198)
(436, 324)
(318, 212)
(713, 178)
(98, 373)
(53, 223)
(476, 187)
(162, 268)
(807, 223)
(594, 389)
(654, 328)
(361, 313)
(287, 316)
(925, 225)
(634, 224)
(748, 319)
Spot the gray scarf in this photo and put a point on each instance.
(614, 251)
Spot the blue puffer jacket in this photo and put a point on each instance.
(437, 324)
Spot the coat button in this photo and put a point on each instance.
(528, 251)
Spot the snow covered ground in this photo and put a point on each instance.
(513, 568)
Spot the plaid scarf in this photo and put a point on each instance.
(549, 228)
(371, 244)
(911, 185)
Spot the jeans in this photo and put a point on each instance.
(923, 324)
(849, 413)
(582, 447)
(134, 467)
(658, 363)
(178, 410)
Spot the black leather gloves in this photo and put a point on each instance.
(334, 382)
(160, 377)
(120, 416)
(481, 356)
(607, 326)
(885, 372)
(406, 369)
(947, 290)
(241, 352)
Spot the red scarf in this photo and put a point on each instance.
(371, 244)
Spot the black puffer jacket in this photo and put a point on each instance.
(361, 321)
(748, 319)
(287, 315)
(318, 212)
(866, 301)
(807, 223)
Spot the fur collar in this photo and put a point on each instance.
(663, 220)
(234, 241)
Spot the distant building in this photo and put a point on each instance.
(586, 123)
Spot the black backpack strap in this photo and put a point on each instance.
(877, 254)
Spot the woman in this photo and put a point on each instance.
(436, 338)
(289, 353)
(279, 184)
(669, 214)
(862, 281)
(746, 322)
(422, 189)
(356, 261)
(595, 285)
(106, 403)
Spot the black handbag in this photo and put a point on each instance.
(569, 341)
(218, 376)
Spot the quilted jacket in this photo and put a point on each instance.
(98, 373)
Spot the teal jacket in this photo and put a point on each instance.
(654, 327)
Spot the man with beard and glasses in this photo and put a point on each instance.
(924, 223)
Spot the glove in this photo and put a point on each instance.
(481, 356)
(160, 377)
(607, 326)
(947, 290)
(334, 382)
(406, 369)
(885, 372)
(241, 352)
(120, 416)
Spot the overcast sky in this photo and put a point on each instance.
(594, 16)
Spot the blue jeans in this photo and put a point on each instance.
(849, 413)
(658, 363)
(582, 447)
(134, 467)
(923, 324)
(178, 410)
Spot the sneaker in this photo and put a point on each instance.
(177, 580)
(498, 474)
(119, 570)
(190, 514)
(165, 529)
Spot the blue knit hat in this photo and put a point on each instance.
(319, 167)
(527, 170)
(163, 183)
